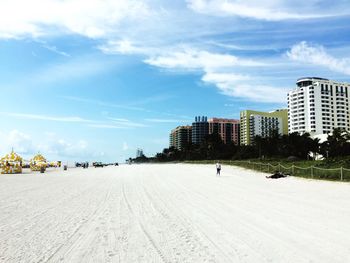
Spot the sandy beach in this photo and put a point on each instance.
(171, 213)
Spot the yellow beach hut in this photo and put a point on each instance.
(11, 163)
(38, 163)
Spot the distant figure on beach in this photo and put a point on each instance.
(218, 168)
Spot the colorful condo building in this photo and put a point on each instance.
(258, 123)
(180, 137)
(318, 106)
(228, 129)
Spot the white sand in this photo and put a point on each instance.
(171, 213)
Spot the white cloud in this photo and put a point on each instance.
(198, 59)
(93, 18)
(19, 141)
(267, 9)
(224, 78)
(220, 70)
(49, 144)
(122, 47)
(243, 87)
(46, 117)
(306, 53)
(126, 123)
(62, 148)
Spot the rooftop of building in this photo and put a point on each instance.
(278, 111)
(308, 81)
(188, 127)
(215, 119)
(310, 78)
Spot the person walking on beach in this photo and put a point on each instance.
(218, 168)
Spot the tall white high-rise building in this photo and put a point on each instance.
(318, 106)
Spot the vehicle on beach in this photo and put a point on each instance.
(98, 164)
(84, 165)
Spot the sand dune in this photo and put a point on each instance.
(171, 213)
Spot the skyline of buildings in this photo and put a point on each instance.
(316, 106)
(227, 129)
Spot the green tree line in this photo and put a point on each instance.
(302, 147)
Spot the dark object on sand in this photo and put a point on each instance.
(65, 167)
(97, 164)
(277, 175)
(42, 169)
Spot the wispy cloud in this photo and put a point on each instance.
(69, 69)
(92, 18)
(159, 35)
(126, 123)
(265, 9)
(221, 70)
(105, 126)
(108, 123)
(165, 120)
(146, 100)
(242, 86)
(102, 103)
(73, 119)
(124, 47)
(306, 53)
(56, 50)
(199, 59)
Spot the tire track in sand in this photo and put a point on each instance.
(144, 231)
(86, 228)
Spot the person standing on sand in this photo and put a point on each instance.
(218, 168)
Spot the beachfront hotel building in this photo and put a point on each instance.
(180, 137)
(227, 129)
(258, 123)
(200, 129)
(318, 106)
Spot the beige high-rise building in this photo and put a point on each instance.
(180, 137)
(259, 123)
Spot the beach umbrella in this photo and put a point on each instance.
(38, 162)
(11, 163)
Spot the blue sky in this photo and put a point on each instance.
(94, 80)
